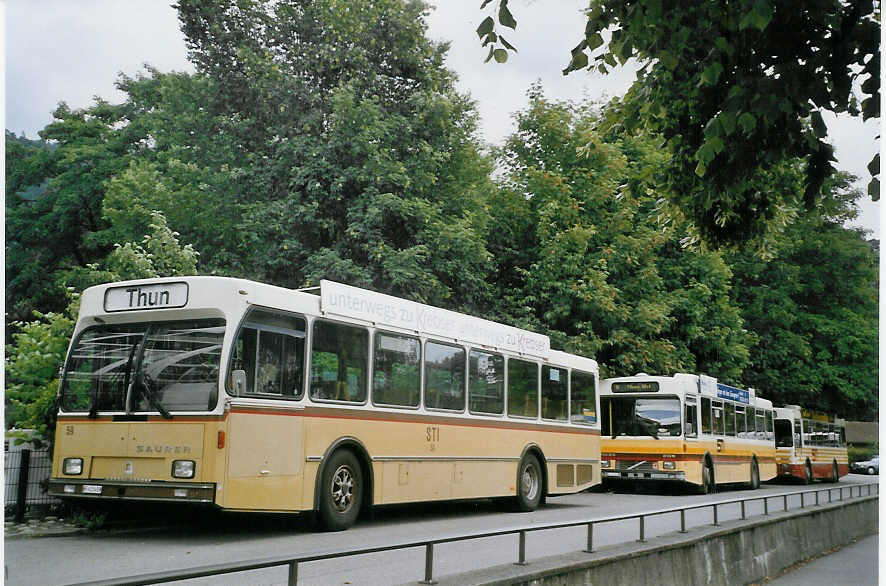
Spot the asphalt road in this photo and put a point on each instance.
(208, 539)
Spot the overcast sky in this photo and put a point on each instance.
(73, 50)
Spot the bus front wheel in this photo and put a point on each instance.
(755, 476)
(341, 491)
(529, 484)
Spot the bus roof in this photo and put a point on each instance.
(197, 295)
(683, 384)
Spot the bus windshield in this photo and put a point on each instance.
(784, 433)
(145, 367)
(636, 416)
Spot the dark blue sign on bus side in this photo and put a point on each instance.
(733, 394)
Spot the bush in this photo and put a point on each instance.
(862, 453)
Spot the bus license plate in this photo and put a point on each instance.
(92, 489)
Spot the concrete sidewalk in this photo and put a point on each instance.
(856, 564)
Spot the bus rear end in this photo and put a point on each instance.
(140, 412)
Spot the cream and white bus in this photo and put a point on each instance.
(252, 397)
(810, 445)
(685, 428)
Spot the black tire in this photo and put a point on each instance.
(807, 473)
(341, 491)
(530, 484)
(755, 476)
(871, 471)
(708, 484)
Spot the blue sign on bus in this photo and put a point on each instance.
(733, 394)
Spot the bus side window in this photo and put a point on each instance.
(339, 359)
(444, 377)
(583, 407)
(244, 358)
(690, 420)
(729, 418)
(719, 419)
(760, 424)
(741, 427)
(486, 383)
(270, 350)
(396, 366)
(706, 427)
(554, 396)
(522, 388)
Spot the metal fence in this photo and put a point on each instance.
(771, 504)
(26, 472)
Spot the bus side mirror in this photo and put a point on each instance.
(238, 382)
(687, 430)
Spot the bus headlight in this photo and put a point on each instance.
(668, 465)
(183, 469)
(605, 463)
(73, 466)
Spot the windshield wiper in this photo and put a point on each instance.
(151, 395)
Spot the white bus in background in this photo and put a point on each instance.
(686, 428)
(810, 445)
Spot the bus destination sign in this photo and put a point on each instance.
(635, 387)
(149, 296)
(733, 394)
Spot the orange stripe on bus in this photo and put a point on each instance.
(325, 413)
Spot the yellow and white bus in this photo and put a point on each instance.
(686, 428)
(252, 397)
(810, 445)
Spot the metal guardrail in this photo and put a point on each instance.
(293, 561)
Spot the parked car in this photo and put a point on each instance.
(871, 466)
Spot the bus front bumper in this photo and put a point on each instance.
(616, 474)
(136, 491)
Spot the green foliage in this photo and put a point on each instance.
(814, 307)
(363, 165)
(56, 230)
(33, 360)
(862, 454)
(89, 519)
(736, 89)
(582, 254)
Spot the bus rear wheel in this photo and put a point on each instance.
(341, 491)
(807, 473)
(529, 484)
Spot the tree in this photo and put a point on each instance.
(105, 170)
(734, 89)
(29, 167)
(363, 163)
(582, 256)
(55, 230)
(814, 307)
